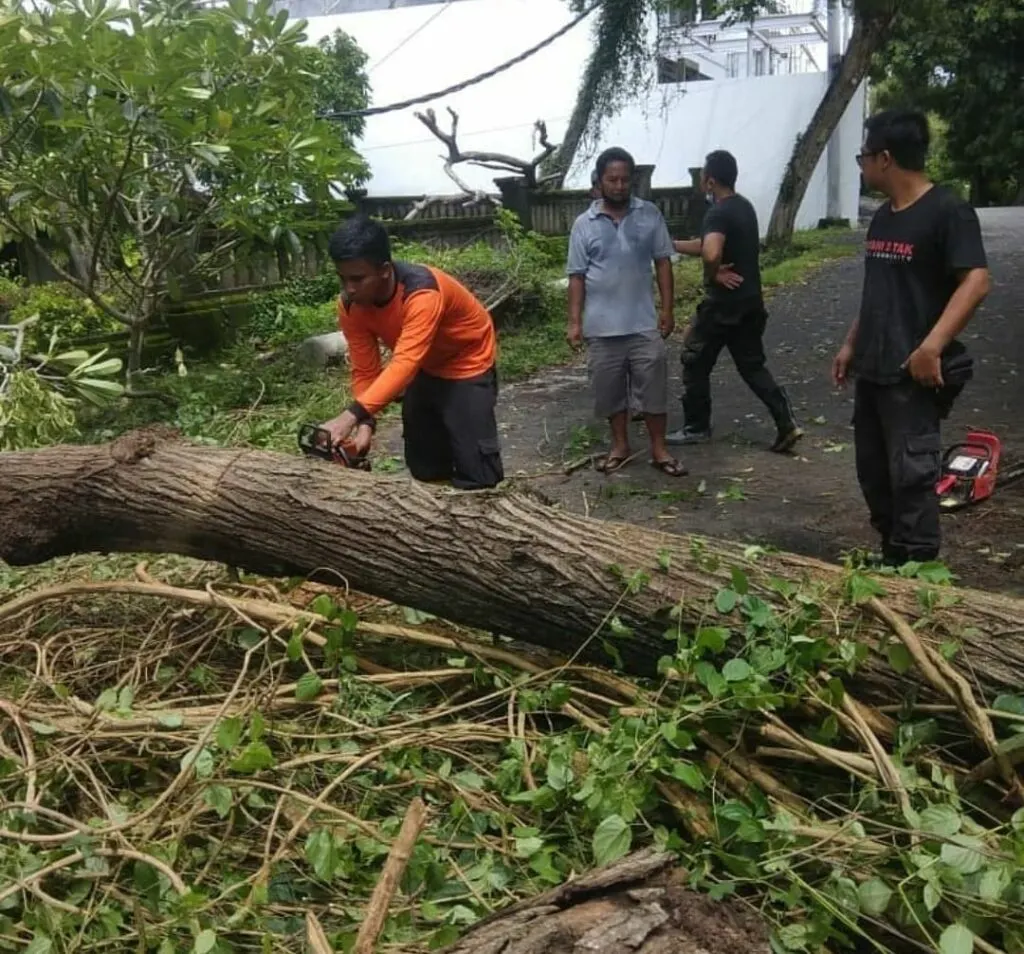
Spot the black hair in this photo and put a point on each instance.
(614, 154)
(903, 133)
(722, 167)
(360, 237)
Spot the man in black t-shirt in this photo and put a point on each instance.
(925, 275)
(732, 314)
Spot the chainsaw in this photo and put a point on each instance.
(970, 471)
(317, 442)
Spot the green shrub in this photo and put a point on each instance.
(62, 310)
(296, 310)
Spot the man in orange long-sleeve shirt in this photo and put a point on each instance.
(443, 351)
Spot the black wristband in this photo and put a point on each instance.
(362, 415)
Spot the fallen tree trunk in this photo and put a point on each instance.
(501, 561)
(638, 904)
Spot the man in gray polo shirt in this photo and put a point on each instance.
(611, 307)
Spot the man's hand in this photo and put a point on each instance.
(667, 323)
(363, 439)
(340, 427)
(574, 334)
(925, 366)
(727, 277)
(841, 365)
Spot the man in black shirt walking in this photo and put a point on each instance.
(732, 314)
(925, 275)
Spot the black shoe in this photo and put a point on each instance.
(786, 439)
(687, 436)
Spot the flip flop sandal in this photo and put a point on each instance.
(608, 464)
(670, 467)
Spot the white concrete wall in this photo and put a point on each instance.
(758, 121)
(673, 127)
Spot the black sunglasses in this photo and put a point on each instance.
(861, 156)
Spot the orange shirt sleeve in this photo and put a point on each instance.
(421, 318)
(363, 351)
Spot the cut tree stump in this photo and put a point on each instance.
(638, 905)
(502, 561)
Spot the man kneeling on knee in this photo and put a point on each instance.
(443, 348)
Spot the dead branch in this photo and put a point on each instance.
(495, 161)
(394, 868)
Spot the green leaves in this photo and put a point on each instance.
(254, 757)
(690, 775)
(40, 944)
(874, 896)
(861, 588)
(206, 941)
(956, 939)
(229, 734)
(219, 798)
(322, 852)
(309, 686)
(964, 854)
(726, 600)
(942, 820)
(612, 840)
(736, 670)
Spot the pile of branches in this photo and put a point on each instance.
(197, 762)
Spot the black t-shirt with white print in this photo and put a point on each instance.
(910, 273)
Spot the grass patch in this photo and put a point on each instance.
(526, 347)
(807, 253)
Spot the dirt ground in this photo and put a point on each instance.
(809, 502)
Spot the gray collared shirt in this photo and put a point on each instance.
(616, 259)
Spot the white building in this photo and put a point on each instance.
(749, 88)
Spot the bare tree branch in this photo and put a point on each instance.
(496, 161)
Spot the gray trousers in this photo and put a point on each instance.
(628, 373)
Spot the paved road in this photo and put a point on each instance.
(809, 503)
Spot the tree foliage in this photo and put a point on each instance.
(40, 392)
(622, 63)
(963, 63)
(142, 142)
(338, 66)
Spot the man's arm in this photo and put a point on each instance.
(925, 364)
(577, 295)
(363, 351)
(666, 292)
(841, 362)
(420, 322)
(691, 247)
(712, 249)
(965, 258)
(576, 267)
(364, 361)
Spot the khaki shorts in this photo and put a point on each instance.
(628, 369)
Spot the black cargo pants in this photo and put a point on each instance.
(899, 448)
(739, 327)
(450, 431)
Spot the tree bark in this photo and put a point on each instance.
(505, 562)
(638, 904)
(869, 33)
